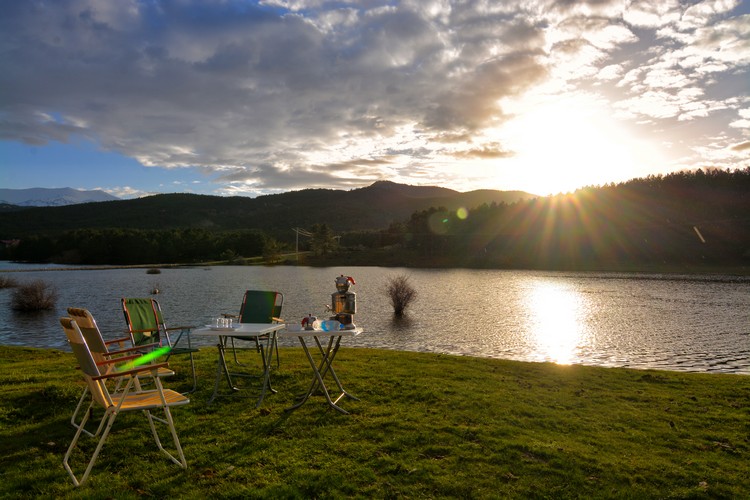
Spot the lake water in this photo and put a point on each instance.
(674, 322)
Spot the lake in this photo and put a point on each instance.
(673, 322)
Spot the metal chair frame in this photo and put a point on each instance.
(129, 398)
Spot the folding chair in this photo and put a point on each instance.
(260, 306)
(146, 326)
(128, 398)
(100, 350)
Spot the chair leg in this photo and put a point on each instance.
(110, 417)
(73, 443)
(195, 377)
(192, 370)
(234, 352)
(169, 422)
(78, 408)
(90, 409)
(276, 346)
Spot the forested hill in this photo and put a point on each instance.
(682, 219)
(677, 221)
(370, 208)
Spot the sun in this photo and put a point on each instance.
(566, 144)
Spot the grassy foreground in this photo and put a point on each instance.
(426, 425)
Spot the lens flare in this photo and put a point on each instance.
(142, 360)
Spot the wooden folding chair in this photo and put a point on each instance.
(128, 398)
(100, 350)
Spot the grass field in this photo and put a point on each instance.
(426, 426)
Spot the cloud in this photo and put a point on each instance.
(275, 95)
(125, 192)
(487, 151)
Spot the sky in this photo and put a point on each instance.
(236, 97)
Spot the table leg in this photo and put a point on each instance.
(217, 378)
(223, 358)
(222, 367)
(328, 357)
(319, 372)
(266, 359)
(317, 382)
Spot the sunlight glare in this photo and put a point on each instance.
(556, 315)
(565, 145)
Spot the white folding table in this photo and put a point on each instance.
(325, 366)
(246, 331)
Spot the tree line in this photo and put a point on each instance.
(680, 218)
(125, 246)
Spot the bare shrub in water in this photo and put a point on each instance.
(7, 282)
(400, 292)
(34, 296)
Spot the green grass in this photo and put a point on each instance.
(426, 425)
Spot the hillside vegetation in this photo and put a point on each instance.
(370, 208)
(678, 220)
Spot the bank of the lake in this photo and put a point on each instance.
(392, 258)
(426, 425)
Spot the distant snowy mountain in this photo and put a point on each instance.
(45, 197)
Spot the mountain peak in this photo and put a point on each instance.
(52, 197)
(409, 190)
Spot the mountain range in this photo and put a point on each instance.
(368, 208)
(51, 197)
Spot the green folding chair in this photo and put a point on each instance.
(260, 306)
(146, 326)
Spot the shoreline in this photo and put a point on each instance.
(729, 270)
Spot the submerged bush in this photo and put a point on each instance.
(400, 292)
(7, 282)
(34, 296)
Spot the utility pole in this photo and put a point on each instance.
(303, 232)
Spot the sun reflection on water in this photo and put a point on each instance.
(557, 321)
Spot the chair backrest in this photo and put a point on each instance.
(144, 319)
(91, 333)
(86, 362)
(261, 306)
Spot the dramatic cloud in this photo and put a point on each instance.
(278, 95)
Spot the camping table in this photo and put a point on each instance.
(325, 366)
(246, 331)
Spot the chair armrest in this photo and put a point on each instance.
(115, 341)
(132, 349)
(133, 371)
(117, 360)
(145, 330)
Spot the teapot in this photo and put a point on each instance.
(308, 322)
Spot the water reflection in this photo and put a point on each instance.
(557, 316)
(695, 323)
